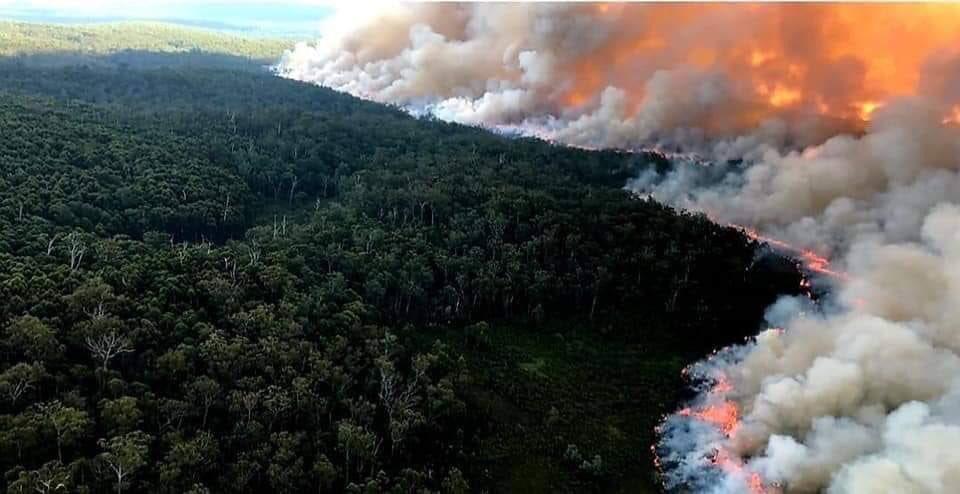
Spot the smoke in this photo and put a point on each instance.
(880, 184)
(631, 75)
(861, 395)
(862, 399)
(831, 127)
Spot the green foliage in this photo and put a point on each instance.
(22, 38)
(122, 456)
(218, 280)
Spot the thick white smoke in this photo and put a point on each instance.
(861, 395)
(864, 399)
(881, 183)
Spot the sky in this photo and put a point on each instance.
(298, 18)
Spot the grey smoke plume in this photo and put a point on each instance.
(842, 119)
(881, 183)
(863, 397)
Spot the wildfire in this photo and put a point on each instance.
(721, 412)
(723, 415)
(810, 259)
(866, 109)
(836, 59)
(759, 57)
(733, 465)
(781, 96)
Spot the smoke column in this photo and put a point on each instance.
(845, 119)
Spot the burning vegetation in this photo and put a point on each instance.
(716, 406)
(843, 119)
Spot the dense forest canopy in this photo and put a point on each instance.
(216, 280)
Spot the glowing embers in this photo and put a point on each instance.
(734, 466)
(697, 449)
(811, 260)
(724, 416)
(712, 423)
(865, 109)
(779, 96)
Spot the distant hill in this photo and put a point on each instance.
(22, 38)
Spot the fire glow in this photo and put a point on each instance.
(723, 415)
(719, 411)
(809, 259)
(853, 105)
(637, 68)
(783, 67)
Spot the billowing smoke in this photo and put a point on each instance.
(879, 184)
(860, 398)
(629, 75)
(863, 395)
(831, 127)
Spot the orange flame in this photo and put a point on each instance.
(725, 417)
(865, 109)
(722, 413)
(844, 60)
(810, 259)
(734, 465)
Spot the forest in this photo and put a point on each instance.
(30, 39)
(213, 279)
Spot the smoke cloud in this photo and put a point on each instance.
(631, 75)
(831, 127)
(861, 395)
(860, 399)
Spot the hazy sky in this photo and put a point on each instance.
(285, 17)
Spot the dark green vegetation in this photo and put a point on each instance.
(221, 281)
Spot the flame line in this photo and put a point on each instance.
(810, 259)
(722, 413)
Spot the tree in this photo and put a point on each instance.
(326, 473)
(19, 433)
(50, 478)
(136, 216)
(18, 380)
(105, 346)
(398, 397)
(357, 443)
(76, 248)
(204, 393)
(34, 339)
(124, 455)
(120, 415)
(454, 483)
(188, 460)
(169, 414)
(68, 423)
(286, 470)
